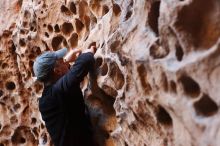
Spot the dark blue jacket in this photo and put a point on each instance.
(62, 106)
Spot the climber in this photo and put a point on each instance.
(61, 105)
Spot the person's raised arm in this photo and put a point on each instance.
(83, 64)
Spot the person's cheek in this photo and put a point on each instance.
(67, 66)
(64, 69)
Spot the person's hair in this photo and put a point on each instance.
(46, 78)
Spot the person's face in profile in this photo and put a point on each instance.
(61, 67)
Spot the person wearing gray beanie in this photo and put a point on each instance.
(62, 105)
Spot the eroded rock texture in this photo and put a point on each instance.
(157, 68)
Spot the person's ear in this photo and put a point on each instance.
(56, 70)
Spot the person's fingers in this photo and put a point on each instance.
(77, 54)
(71, 55)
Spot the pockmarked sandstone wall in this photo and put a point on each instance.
(157, 68)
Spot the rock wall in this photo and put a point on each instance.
(157, 68)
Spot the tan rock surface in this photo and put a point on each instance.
(157, 64)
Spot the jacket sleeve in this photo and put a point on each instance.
(84, 64)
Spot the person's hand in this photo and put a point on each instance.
(92, 49)
(72, 55)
